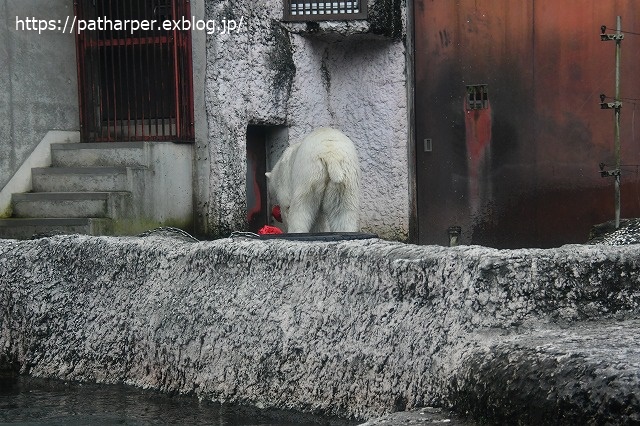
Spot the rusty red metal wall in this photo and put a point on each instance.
(522, 172)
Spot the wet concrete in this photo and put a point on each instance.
(356, 329)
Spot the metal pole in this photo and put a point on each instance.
(617, 120)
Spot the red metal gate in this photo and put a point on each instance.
(135, 75)
(509, 130)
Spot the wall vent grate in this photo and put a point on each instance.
(324, 10)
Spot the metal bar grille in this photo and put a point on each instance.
(477, 96)
(135, 85)
(324, 10)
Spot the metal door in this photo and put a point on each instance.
(509, 130)
(257, 215)
(134, 83)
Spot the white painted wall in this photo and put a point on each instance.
(38, 80)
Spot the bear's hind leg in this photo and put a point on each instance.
(303, 212)
(344, 221)
(341, 208)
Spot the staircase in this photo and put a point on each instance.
(105, 189)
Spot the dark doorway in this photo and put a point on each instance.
(265, 145)
(256, 180)
(134, 70)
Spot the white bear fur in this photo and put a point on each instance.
(316, 182)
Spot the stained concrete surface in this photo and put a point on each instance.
(357, 329)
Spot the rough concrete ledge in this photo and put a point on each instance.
(356, 329)
(585, 374)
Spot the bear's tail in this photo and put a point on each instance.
(338, 165)
(336, 171)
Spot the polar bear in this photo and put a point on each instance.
(316, 182)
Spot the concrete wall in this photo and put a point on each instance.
(201, 160)
(38, 83)
(38, 87)
(355, 329)
(347, 76)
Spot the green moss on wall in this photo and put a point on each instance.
(280, 59)
(385, 17)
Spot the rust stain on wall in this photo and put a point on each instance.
(478, 145)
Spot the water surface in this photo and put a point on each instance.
(29, 401)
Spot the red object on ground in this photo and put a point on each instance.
(266, 230)
(275, 212)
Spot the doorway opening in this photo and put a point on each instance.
(265, 145)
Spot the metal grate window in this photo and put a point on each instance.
(324, 10)
(477, 97)
(135, 85)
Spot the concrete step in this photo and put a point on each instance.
(71, 204)
(78, 179)
(115, 154)
(22, 229)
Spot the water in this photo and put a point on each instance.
(28, 401)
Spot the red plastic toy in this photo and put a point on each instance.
(267, 230)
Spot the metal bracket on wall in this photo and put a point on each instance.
(609, 173)
(609, 37)
(616, 105)
(609, 105)
(454, 232)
